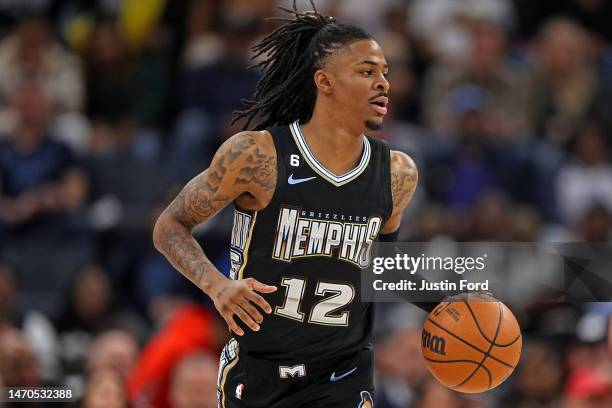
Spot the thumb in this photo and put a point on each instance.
(261, 287)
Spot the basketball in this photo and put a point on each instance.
(471, 343)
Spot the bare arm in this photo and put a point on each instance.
(404, 179)
(244, 166)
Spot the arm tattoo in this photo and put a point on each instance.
(403, 183)
(196, 202)
(184, 253)
(202, 197)
(199, 200)
(259, 169)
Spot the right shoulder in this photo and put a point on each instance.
(248, 140)
(248, 159)
(246, 149)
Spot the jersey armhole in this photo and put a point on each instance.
(386, 179)
(280, 168)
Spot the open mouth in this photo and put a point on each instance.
(380, 106)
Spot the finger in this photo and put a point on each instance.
(244, 316)
(231, 323)
(259, 301)
(252, 311)
(260, 287)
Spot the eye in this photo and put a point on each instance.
(367, 73)
(385, 74)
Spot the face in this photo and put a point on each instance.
(30, 102)
(115, 351)
(355, 79)
(105, 390)
(18, 364)
(194, 385)
(92, 294)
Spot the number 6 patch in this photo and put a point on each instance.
(294, 160)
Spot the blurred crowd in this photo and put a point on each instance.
(107, 107)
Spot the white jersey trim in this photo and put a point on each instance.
(320, 169)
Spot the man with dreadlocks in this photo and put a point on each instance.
(311, 193)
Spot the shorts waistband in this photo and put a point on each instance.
(295, 366)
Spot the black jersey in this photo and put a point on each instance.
(311, 241)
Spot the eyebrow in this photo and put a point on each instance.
(369, 62)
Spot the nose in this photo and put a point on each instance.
(382, 84)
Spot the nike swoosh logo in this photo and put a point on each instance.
(335, 378)
(291, 180)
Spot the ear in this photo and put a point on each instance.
(324, 80)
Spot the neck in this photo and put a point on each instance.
(336, 145)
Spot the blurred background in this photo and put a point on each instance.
(108, 107)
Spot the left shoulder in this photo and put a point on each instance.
(402, 164)
(404, 178)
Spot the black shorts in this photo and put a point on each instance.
(248, 382)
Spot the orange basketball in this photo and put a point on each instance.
(471, 343)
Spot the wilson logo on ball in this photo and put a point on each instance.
(434, 343)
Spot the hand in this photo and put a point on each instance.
(21, 209)
(238, 297)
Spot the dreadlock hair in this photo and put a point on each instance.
(294, 52)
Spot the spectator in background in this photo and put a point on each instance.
(89, 306)
(216, 89)
(191, 328)
(485, 65)
(589, 388)
(438, 25)
(526, 224)
(194, 382)
(114, 350)
(210, 89)
(18, 366)
(586, 178)
(9, 314)
(93, 325)
(433, 394)
(123, 84)
(105, 390)
(110, 358)
(539, 378)
(595, 225)
(92, 306)
(460, 171)
(491, 218)
(126, 99)
(400, 367)
(589, 382)
(564, 82)
(31, 54)
(108, 74)
(42, 189)
(203, 45)
(42, 192)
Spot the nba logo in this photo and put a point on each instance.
(239, 389)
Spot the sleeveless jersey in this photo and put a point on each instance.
(311, 241)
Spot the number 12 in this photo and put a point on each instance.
(323, 311)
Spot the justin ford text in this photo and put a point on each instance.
(404, 262)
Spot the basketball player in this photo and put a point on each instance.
(311, 193)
